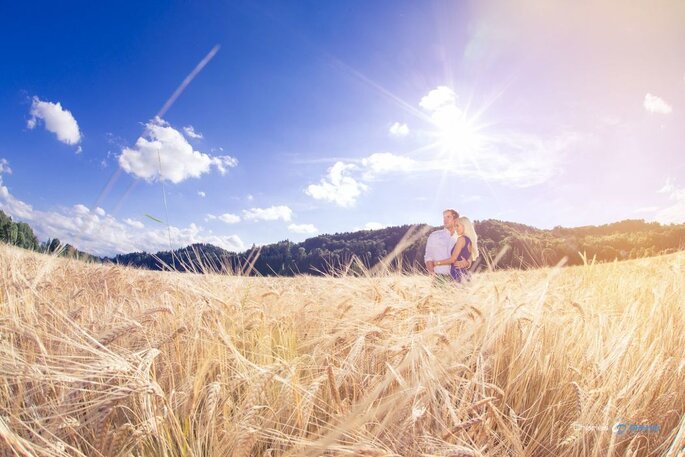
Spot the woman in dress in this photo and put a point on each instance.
(466, 248)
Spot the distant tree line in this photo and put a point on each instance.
(21, 234)
(17, 233)
(501, 244)
(509, 244)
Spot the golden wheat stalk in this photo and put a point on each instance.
(118, 332)
(211, 402)
(462, 426)
(268, 346)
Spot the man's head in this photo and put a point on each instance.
(449, 219)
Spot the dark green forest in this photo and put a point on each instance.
(17, 233)
(502, 245)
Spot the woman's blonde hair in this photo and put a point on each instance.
(471, 233)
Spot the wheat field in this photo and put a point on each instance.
(106, 360)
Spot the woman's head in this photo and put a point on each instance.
(465, 227)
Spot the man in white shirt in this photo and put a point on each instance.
(440, 243)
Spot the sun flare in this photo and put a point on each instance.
(459, 138)
(455, 134)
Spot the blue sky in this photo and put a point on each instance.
(320, 117)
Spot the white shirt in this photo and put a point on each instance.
(438, 247)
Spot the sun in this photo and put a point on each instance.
(456, 135)
(460, 139)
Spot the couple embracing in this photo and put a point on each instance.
(451, 251)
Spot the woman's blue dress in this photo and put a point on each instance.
(460, 274)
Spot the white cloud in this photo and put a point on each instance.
(654, 104)
(675, 213)
(99, 211)
(229, 218)
(250, 197)
(668, 187)
(230, 243)
(191, 133)
(81, 209)
(178, 159)
(8, 202)
(272, 213)
(374, 226)
(438, 98)
(398, 129)
(201, 194)
(5, 167)
(103, 234)
(338, 187)
(223, 163)
(302, 228)
(448, 118)
(386, 162)
(517, 159)
(134, 223)
(57, 120)
(511, 158)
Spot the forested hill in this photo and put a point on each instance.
(513, 245)
(525, 247)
